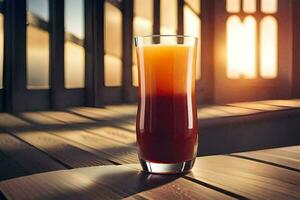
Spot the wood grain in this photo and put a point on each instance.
(250, 179)
(105, 182)
(288, 157)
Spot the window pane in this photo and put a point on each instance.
(112, 71)
(192, 27)
(37, 57)
(241, 40)
(1, 49)
(112, 46)
(268, 47)
(74, 49)
(269, 6)
(168, 17)
(233, 6)
(113, 30)
(194, 4)
(74, 65)
(39, 8)
(249, 6)
(142, 25)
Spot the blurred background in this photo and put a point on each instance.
(61, 53)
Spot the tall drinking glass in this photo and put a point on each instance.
(166, 124)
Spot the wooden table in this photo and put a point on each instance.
(265, 174)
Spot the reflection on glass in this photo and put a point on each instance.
(112, 46)
(268, 47)
(192, 27)
(249, 6)
(37, 52)
(168, 17)
(112, 71)
(1, 50)
(269, 6)
(39, 8)
(74, 50)
(233, 6)
(37, 58)
(142, 25)
(194, 4)
(241, 40)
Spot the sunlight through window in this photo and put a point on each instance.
(37, 52)
(268, 47)
(192, 27)
(269, 6)
(249, 6)
(168, 19)
(74, 50)
(241, 51)
(142, 25)
(233, 6)
(112, 46)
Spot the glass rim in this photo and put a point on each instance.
(168, 35)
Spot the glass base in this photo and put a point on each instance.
(167, 168)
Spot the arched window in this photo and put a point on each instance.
(247, 58)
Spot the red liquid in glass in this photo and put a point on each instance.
(167, 116)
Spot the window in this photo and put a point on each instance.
(74, 44)
(37, 44)
(242, 39)
(112, 46)
(168, 18)
(192, 26)
(142, 25)
(1, 49)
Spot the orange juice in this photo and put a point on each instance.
(167, 116)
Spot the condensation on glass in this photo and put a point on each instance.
(37, 57)
(192, 26)
(168, 18)
(112, 46)
(242, 38)
(1, 49)
(74, 52)
(142, 25)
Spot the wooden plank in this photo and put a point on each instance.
(247, 178)
(282, 157)
(258, 106)
(56, 147)
(29, 158)
(103, 146)
(106, 182)
(293, 103)
(9, 168)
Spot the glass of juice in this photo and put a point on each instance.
(166, 124)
